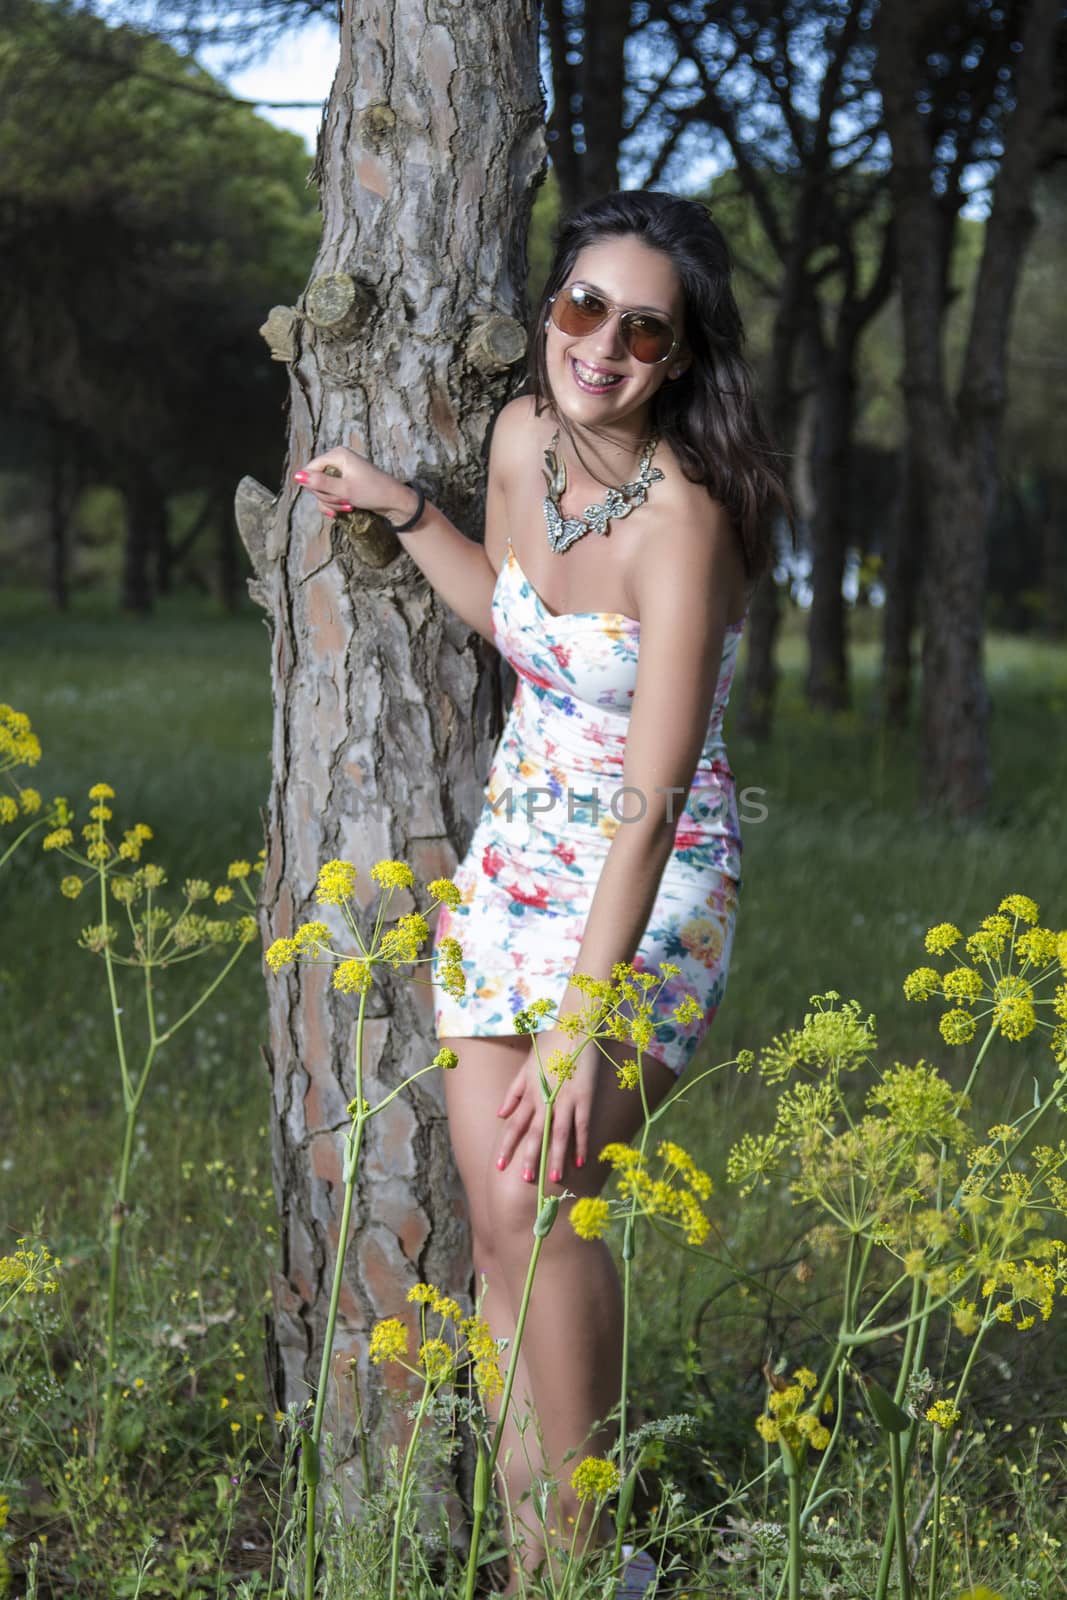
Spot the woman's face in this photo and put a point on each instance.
(595, 380)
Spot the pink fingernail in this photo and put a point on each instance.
(301, 477)
(328, 513)
(345, 506)
(579, 1161)
(555, 1175)
(500, 1163)
(527, 1174)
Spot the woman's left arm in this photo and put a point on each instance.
(683, 585)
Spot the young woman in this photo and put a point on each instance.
(610, 830)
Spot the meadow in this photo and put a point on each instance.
(843, 878)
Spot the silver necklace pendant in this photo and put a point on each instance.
(564, 531)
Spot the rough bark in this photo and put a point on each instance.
(954, 439)
(384, 705)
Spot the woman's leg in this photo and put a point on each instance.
(571, 1354)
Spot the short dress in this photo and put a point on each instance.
(554, 801)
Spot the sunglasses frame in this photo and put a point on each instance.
(612, 307)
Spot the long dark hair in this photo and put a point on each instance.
(709, 415)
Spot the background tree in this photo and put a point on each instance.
(953, 439)
(141, 234)
(384, 707)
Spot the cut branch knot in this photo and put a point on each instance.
(495, 342)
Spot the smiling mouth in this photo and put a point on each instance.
(589, 378)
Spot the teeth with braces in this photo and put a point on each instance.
(595, 379)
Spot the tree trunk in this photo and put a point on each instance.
(903, 576)
(587, 94)
(384, 705)
(827, 684)
(145, 525)
(1053, 579)
(954, 443)
(62, 493)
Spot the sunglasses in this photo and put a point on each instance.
(578, 311)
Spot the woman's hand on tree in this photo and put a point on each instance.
(524, 1108)
(353, 483)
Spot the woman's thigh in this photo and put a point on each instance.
(474, 1091)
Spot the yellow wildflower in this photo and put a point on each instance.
(963, 983)
(238, 869)
(1020, 905)
(393, 875)
(280, 953)
(421, 1294)
(445, 890)
(310, 937)
(403, 942)
(8, 809)
(921, 984)
(594, 1477)
(1013, 1008)
(1037, 945)
(957, 1027)
(353, 976)
(336, 883)
(71, 886)
(941, 938)
(590, 1217)
(483, 1351)
(30, 801)
(389, 1341)
(101, 791)
(628, 1074)
(965, 1317)
(561, 1064)
(436, 1360)
(446, 1058)
(943, 1414)
(222, 894)
(58, 839)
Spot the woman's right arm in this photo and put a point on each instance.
(462, 572)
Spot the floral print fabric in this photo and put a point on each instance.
(553, 803)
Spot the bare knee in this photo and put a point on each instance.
(511, 1206)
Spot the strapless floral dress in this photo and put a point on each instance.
(553, 803)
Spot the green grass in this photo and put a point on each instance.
(841, 880)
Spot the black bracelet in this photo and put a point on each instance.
(405, 527)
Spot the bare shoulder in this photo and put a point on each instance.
(511, 434)
(694, 550)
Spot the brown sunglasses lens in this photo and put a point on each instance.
(578, 312)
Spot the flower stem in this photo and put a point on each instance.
(795, 1558)
(402, 1494)
(935, 1541)
(353, 1141)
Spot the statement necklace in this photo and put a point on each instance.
(563, 531)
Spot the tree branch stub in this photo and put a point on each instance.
(338, 305)
(495, 342)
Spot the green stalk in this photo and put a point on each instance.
(897, 1469)
(935, 1541)
(13, 846)
(354, 1142)
(795, 1560)
(402, 1495)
